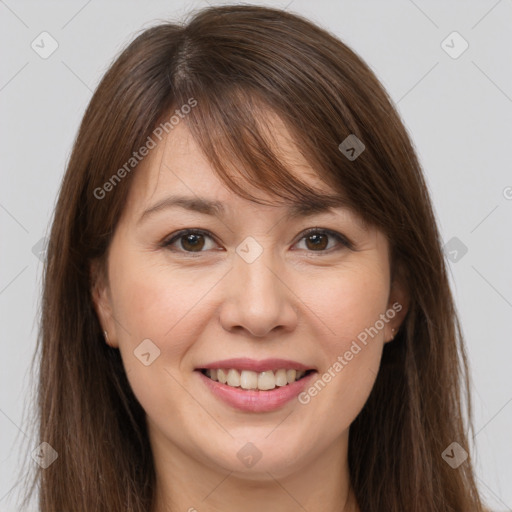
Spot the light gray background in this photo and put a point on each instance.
(458, 113)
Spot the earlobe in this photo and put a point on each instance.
(390, 335)
(399, 304)
(101, 302)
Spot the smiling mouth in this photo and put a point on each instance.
(259, 381)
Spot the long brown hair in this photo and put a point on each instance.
(235, 62)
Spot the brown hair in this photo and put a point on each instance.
(236, 61)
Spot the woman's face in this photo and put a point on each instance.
(254, 299)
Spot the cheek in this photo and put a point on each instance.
(350, 306)
(151, 308)
(349, 301)
(155, 300)
(166, 306)
(172, 308)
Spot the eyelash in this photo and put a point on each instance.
(322, 231)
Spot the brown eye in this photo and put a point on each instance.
(192, 242)
(319, 240)
(189, 241)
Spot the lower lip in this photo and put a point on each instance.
(256, 401)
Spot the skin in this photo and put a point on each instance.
(293, 302)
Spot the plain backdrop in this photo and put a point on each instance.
(456, 106)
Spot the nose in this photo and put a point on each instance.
(258, 300)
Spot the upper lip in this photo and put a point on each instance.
(243, 363)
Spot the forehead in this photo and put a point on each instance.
(177, 165)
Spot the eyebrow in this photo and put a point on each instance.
(217, 209)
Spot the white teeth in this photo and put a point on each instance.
(290, 376)
(266, 381)
(281, 378)
(233, 378)
(247, 379)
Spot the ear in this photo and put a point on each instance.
(398, 305)
(100, 293)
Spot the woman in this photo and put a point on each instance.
(246, 304)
